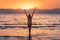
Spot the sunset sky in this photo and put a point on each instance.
(41, 4)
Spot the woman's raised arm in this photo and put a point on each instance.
(33, 12)
(25, 13)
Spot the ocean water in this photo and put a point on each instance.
(44, 27)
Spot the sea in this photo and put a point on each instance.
(45, 26)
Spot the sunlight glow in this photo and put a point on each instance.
(27, 6)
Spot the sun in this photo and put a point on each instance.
(27, 6)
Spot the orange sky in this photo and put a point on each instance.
(42, 4)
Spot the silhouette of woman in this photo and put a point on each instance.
(29, 17)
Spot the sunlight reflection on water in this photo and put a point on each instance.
(43, 32)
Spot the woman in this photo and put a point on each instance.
(29, 17)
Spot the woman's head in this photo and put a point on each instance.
(29, 15)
